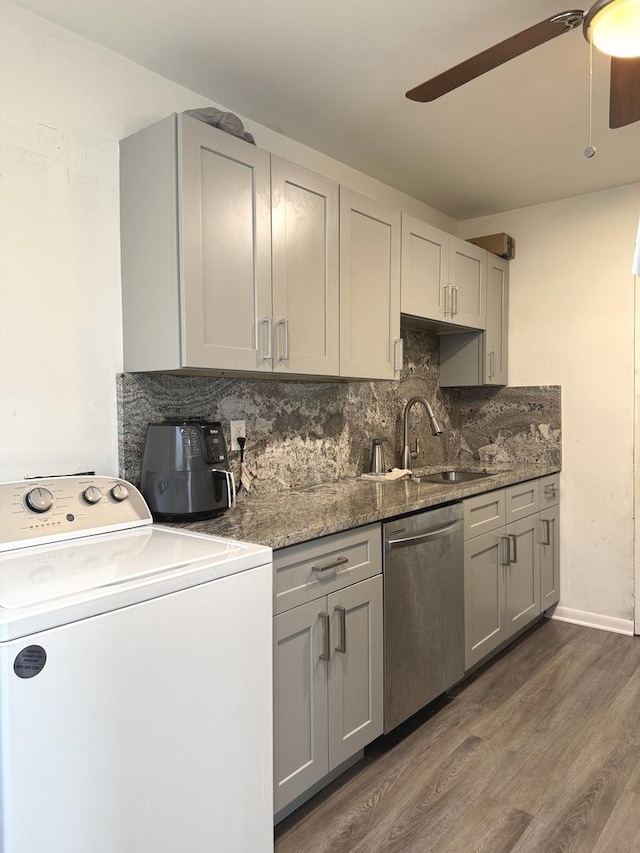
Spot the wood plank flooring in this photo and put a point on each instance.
(538, 752)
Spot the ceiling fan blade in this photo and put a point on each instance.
(496, 55)
(624, 103)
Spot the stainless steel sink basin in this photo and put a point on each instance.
(451, 477)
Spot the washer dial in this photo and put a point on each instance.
(39, 500)
(119, 492)
(92, 495)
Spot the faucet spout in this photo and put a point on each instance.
(407, 453)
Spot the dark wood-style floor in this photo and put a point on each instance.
(538, 752)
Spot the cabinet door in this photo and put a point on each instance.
(305, 270)
(425, 269)
(300, 700)
(468, 280)
(369, 288)
(522, 573)
(225, 215)
(484, 595)
(355, 669)
(549, 522)
(496, 337)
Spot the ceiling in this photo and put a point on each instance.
(332, 74)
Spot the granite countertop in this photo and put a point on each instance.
(280, 519)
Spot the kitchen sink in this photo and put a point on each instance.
(451, 477)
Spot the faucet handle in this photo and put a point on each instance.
(416, 452)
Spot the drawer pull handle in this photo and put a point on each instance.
(326, 653)
(514, 540)
(340, 561)
(550, 491)
(547, 531)
(342, 615)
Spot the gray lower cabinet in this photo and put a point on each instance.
(512, 570)
(522, 573)
(301, 732)
(484, 596)
(328, 658)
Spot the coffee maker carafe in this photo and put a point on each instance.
(185, 471)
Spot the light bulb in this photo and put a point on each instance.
(615, 29)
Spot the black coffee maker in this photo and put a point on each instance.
(185, 471)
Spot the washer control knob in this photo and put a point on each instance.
(39, 500)
(119, 492)
(92, 495)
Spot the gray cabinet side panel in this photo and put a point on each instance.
(149, 248)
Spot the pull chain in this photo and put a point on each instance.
(590, 150)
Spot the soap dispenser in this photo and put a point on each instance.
(378, 464)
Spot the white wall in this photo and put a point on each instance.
(64, 104)
(572, 324)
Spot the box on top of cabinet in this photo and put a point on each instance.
(499, 244)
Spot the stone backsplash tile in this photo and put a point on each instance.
(304, 433)
(520, 425)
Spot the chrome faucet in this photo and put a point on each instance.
(407, 453)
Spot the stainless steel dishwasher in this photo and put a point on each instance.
(423, 609)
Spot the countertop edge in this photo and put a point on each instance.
(282, 519)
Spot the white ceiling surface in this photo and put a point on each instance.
(332, 74)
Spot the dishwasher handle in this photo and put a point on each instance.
(440, 533)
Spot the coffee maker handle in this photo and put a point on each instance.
(231, 485)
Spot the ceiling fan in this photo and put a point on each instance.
(613, 26)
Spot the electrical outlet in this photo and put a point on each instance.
(238, 430)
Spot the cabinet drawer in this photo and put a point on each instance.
(304, 572)
(522, 499)
(483, 513)
(549, 490)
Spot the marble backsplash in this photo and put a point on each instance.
(303, 433)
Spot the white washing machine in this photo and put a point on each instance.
(135, 678)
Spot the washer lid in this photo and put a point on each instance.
(47, 586)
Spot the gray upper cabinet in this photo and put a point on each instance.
(425, 289)
(235, 250)
(481, 358)
(370, 343)
(196, 249)
(305, 271)
(496, 338)
(443, 277)
(467, 276)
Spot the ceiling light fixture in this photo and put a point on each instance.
(613, 26)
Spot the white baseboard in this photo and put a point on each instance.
(593, 620)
